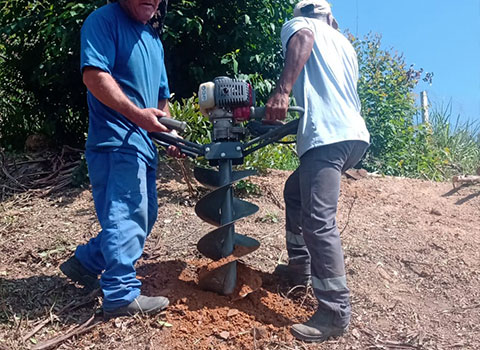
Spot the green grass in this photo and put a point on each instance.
(458, 141)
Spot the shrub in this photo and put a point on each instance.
(458, 143)
(198, 126)
(274, 156)
(385, 87)
(247, 188)
(41, 89)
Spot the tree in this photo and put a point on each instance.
(385, 86)
(40, 67)
(39, 64)
(206, 38)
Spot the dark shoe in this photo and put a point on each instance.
(74, 270)
(292, 277)
(318, 328)
(141, 305)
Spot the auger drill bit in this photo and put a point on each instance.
(222, 209)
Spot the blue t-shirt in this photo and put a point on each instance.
(133, 54)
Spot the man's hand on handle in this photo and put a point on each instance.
(276, 107)
(174, 151)
(147, 119)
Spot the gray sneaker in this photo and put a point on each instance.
(141, 305)
(74, 270)
(293, 278)
(318, 328)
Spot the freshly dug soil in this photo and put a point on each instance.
(412, 252)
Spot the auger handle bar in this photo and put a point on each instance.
(194, 150)
(277, 133)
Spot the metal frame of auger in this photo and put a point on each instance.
(220, 208)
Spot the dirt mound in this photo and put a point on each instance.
(202, 319)
(412, 252)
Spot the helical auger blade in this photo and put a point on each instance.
(223, 245)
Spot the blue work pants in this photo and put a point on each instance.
(125, 196)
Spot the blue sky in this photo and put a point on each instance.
(439, 36)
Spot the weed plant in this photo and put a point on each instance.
(458, 142)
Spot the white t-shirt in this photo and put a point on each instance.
(326, 88)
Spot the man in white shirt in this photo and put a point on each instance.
(321, 70)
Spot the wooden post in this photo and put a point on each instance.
(424, 101)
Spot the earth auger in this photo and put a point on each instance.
(227, 103)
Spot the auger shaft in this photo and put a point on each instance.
(226, 211)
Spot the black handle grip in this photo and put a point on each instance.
(173, 124)
(165, 139)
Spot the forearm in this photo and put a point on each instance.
(104, 87)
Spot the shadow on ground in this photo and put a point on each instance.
(39, 297)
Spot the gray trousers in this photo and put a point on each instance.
(313, 241)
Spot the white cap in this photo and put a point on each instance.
(312, 7)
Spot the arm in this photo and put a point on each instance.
(104, 87)
(298, 52)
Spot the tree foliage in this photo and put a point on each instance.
(398, 145)
(41, 89)
(40, 67)
(206, 38)
(39, 64)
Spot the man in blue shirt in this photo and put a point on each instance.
(122, 63)
(321, 70)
